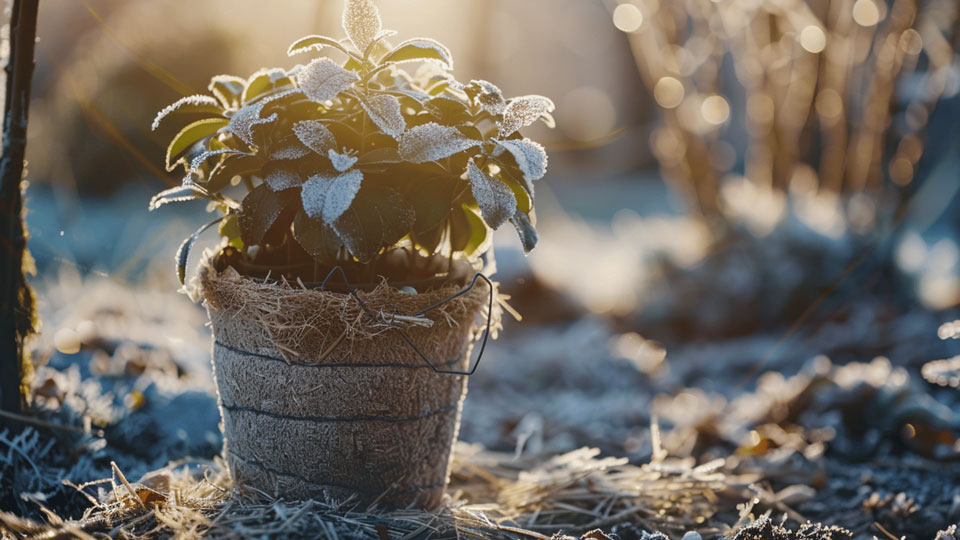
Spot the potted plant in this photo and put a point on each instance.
(355, 199)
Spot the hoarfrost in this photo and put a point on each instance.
(384, 110)
(530, 156)
(341, 162)
(431, 141)
(490, 96)
(289, 148)
(496, 200)
(190, 104)
(328, 197)
(281, 178)
(322, 79)
(245, 118)
(197, 162)
(314, 135)
(361, 21)
(523, 111)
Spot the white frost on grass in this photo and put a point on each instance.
(323, 79)
(341, 162)
(523, 111)
(496, 200)
(384, 110)
(195, 103)
(314, 135)
(530, 157)
(431, 141)
(328, 197)
(361, 21)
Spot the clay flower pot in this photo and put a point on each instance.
(318, 397)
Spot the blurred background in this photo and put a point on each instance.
(736, 187)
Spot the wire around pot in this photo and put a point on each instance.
(486, 332)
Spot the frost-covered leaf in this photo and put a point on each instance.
(323, 79)
(260, 210)
(431, 141)
(314, 42)
(246, 118)
(377, 156)
(449, 111)
(198, 161)
(317, 239)
(186, 192)
(328, 197)
(289, 148)
(198, 103)
(227, 89)
(341, 162)
(530, 156)
(487, 94)
(314, 135)
(419, 49)
(361, 21)
(223, 174)
(280, 176)
(183, 252)
(526, 231)
(496, 200)
(523, 111)
(264, 80)
(378, 217)
(384, 110)
(189, 136)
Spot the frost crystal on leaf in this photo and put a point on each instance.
(523, 111)
(384, 110)
(496, 200)
(289, 148)
(323, 79)
(530, 156)
(419, 50)
(489, 96)
(280, 179)
(341, 162)
(328, 197)
(189, 103)
(315, 135)
(431, 141)
(361, 21)
(197, 162)
(243, 121)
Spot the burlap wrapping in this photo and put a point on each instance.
(318, 397)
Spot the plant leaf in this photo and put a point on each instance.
(229, 168)
(185, 192)
(341, 162)
(377, 156)
(328, 197)
(496, 200)
(378, 217)
(317, 239)
(419, 49)
(530, 156)
(523, 111)
(448, 111)
(198, 103)
(259, 211)
(290, 147)
(384, 110)
(280, 176)
(230, 229)
(246, 118)
(431, 141)
(263, 81)
(190, 135)
(487, 94)
(526, 231)
(183, 253)
(361, 21)
(227, 89)
(198, 161)
(315, 135)
(315, 42)
(323, 79)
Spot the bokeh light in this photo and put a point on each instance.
(627, 18)
(587, 113)
(866, 13)
(715, 110)
(812, 39)
(668, 92)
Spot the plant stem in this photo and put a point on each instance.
(16, 298)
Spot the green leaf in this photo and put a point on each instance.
(317, 239)
(432, 201)
(420, 49)
(496, 200)
(480, 236)
(524, 204)
(522, 111)
(183, 253)
(186, 192)
(229, 168)
(317, 43)
(227, 89)
(264, 81)
(196, 104)
(449, 111)
(431, 141)
(430, 240)
(526, 231)
(378, 156)
(260, 211)
(230, 229)
(190, 135)
(384, 110)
